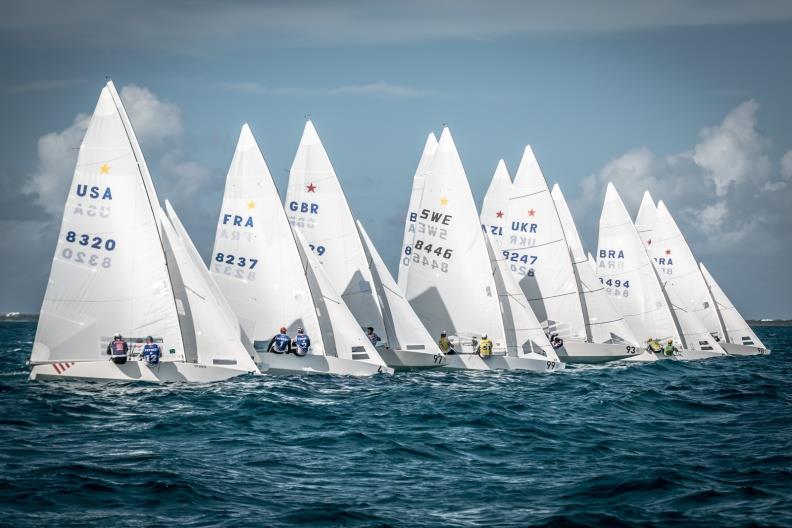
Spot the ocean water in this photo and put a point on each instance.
(691, 444)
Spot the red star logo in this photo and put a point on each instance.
(649, 242)
(668, 251)
(499, 214)
(531, 212)
(311, 187)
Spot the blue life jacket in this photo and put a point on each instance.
(303, 342)
(151, 353)
(282, 343)
(118, 348)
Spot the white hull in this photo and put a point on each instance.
(534, 362)
(734, 349)
(693, 355)
(581, 352)
(646, 357)
(285, 364)
(410, 359)
(166, 371)
(681, 355)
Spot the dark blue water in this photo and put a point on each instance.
(697, 444)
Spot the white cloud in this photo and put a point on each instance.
(153, 119)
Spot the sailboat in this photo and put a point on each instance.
(451, 282)
(632, 283)
(555, 277)
(682, 282)
(738, 338)
(318, 209)
(412, 213)
(121, 266)
(271, 280)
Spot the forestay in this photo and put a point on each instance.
(450, 284)
(109, 272)
(628, 275)
(412, 213)
(538, 255)
(403, 327)
(255, 259)
(737, 330)
(317, 207)
(604, 324)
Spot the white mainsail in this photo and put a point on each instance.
(738, 331)
(682, 281)
(217, 332)
(450, 284)
(109, 272)
(604, 324)
(403, 327)
(412, 213)
(317, 207)
(255, 259)
(496, 203)
(645, 220)
(629, 276)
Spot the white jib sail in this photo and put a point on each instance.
(534, 243)
(317, 207)
(737, 330)
(645, 220)
(217, 333)
(339, 326)
(628, 275)
(109, 273)
(496, 203)
(592, 261)
(255, 260)
(404, 328)
(412, 214)
(604, 323)
(682, 280)
(450, 284)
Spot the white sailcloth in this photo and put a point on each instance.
(682, 279)
(592, 261)
(496, 203)
(628, 275)
(403, 327)
(217, 333)
(737, 330)
(255, 259)
(109, 271)
(604, 323)
(412, 214)
(450, 284)
(538, 255)
(645, 220)
(317, 207)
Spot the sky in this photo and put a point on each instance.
(688, 99)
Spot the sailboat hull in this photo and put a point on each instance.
(289, 364)
(411, 359)
(166, 371)
(593, 353)
(733, 349)
(533, 362)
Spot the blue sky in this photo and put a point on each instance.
(688, 99)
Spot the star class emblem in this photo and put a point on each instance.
(499, 214)
(311, 187)
(531, 212)
(668, 252)
(104, 168)
(251, 204)
(443, 201)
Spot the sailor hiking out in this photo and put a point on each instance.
(118, 350)
(670, 349)
(484, 347)
(151, 352)
(302, 343)
(280, 343)
(446, 347)
(653, 346)
(372, 336)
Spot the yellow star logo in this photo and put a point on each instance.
(251, 204)
(104, 169)
(443, 201)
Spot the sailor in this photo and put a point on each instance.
(151, 352)
(670, 349)
(374, 338)
(555, 341)
(280, 343)
(484, 347)
(445, 344)
(118, 350)
(653, 346)
(302, 342)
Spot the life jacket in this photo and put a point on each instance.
(302, 342)
(669, 350)
(444, 344)
(118, 348)
(485, 347)
(151, 353)
(282, 343)
(654, 346)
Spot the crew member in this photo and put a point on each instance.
(555, 341)
(118, 350)
(280, 343)
(445, 344)
(151, 352)
(302, 342)
(485, 347)
(374, 338)
(653, 345)
(670, 349)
